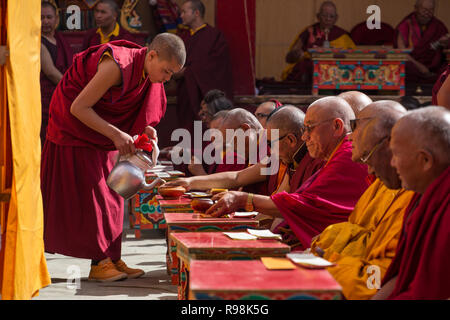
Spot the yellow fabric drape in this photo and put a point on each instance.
(369, 237)
(24, 270)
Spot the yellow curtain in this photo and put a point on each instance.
(23, 270)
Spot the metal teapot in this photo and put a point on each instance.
(128, 175)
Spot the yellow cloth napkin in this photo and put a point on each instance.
(277, 263)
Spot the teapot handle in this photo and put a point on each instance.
(156, 183)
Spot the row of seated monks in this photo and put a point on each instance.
(420, 31)
(360, 183)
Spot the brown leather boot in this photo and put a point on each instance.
(105, 271)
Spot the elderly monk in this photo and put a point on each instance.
(106, 13)
(264, 110)
(289, 121)
(420, 145)
(110, 93)
(427, 36)
(370, 235)
(356, 99)
(329, 195)
(300, 66)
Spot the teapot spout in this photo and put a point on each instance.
(148, 187)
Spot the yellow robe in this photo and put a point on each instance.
(369, 237)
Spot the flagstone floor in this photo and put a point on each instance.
(147, 253)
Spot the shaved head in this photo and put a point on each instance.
(370, 139)
(235, 118)
(288, 119)
(264, 110)
(169, 47)
(357, 100)
(420, 144)
(333, 107)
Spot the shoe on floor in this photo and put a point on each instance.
(105, 271)
(132, 273)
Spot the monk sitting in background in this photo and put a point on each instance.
(300, 66)
(420, 145)
(329, 195)
(264, 110)
(370, 235)
(357, 100)
(427, 36)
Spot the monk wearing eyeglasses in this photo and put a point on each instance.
(369, 238)
(329, 195)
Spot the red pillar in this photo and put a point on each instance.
(236, 19)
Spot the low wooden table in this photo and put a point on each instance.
(363, 68)
(244, 280)
(182, 204)
(193, 222)
(217, 246)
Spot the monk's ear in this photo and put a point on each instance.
(426, 160)
(245, 126)
(338, 126)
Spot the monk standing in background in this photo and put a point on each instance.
(329, 195)
(110, 93)
(420, 145)
(369, 238)
(56, 57)
(300, 66)
(427, 36)
(106, 13)
(208, 64)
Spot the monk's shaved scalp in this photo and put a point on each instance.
(334, 107)
(169, 47)
(357, 100)
(420, 2)
(238, 116)
(385, 113)
(112, 4)
(288, 119)
(429, 129)
(327, 4)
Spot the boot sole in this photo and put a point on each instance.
(136, 275)
(112, 279)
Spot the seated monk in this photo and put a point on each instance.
(289, 120)
(357, 100)
(363, 36)
(427, 36)
(370, 235)
(420, 142)
(329, 195)
(106, 13)
(300, 66)
(264, 110)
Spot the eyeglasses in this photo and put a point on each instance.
(270, 142)
(261, 115)
(353, 122)
(366, 158)
(310, 127)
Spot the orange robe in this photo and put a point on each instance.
(369, 237)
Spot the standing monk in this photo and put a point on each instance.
(208, 64)
(110, 93)
(420, 145)
(426, 36)
(300, 66)
(56, 57)
(330, 194)
(106, 13)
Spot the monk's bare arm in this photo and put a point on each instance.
(385, 290)
(48, 67)
(108, 75)
(420, 66)
(443, 96)
(296, 52)
(265, 205)
(229, 180)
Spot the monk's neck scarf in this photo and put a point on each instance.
(193, 31)
(105, 39)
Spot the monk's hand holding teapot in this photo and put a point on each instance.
(227, 202)
(124, 143)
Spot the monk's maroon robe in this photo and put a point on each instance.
(92, 37)
(327, 197)
(422, 259)
(420, 40)
(61, 55)
(207, 67)
(437, 86)
(83, 217)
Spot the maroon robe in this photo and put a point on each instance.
(363, 36)
(207, 67)
(327, 197)
(409, 29)
(83, 217)
(310, 38)
(422, 260)
(92, 37)
(437, 86)
(61, 55)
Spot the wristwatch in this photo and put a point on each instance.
(249, 204)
